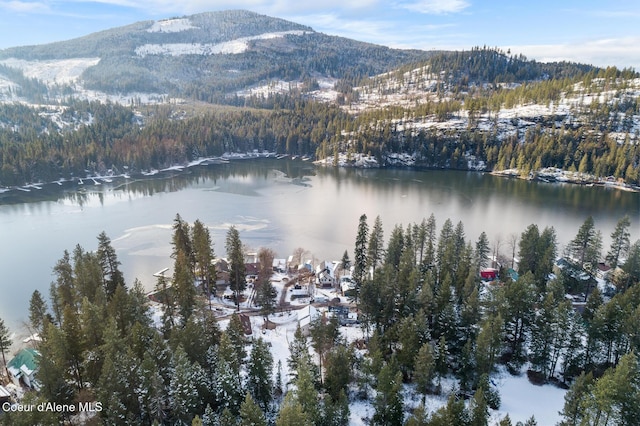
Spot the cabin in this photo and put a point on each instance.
(324, 275)
(348, 286)
(23, 368)
(300, 291)
(306, 316)
(280, 265)
(489, 274)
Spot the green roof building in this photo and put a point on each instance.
(23, 367)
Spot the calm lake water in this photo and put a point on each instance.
(280, 204)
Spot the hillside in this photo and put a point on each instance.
(206, 57)
(147, 96)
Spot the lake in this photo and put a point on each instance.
(281, 204)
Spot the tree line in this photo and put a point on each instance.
(426, 318)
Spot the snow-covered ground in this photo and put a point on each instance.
(50, 72)
(239, 45)
(171, 26)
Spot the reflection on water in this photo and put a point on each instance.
(280, 204)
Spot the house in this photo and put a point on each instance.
(602, 270)
(23, 367)
(300, 291)
(306, 316)
(513, 274)
(489, 274)
(280, 265)
(251, 270)
(325, 275)
(348, 286)
(222, 274)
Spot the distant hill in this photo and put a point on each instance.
(205, 57)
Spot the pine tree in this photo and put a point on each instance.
(338, 371)
(305, 393)
(184, 398)
(227, 381)
(298, 352)
(324, 335)
(5, 343)
(572, 411)
(259, 368)
(204, 255)
(112, 276)
(482, 251)
(582, 247)
(389, 403)
(235, 332)
(360, 255)
(266, 298)
(425, 369)
(183, 285)
(620, 242)
(375, 250)
(292, 414)
(37, 311)
(237, 271)
(251, 414)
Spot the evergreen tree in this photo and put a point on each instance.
(298, 352)
(425, 369)
(259, 369)
(324, 335)
(306, 394)
(112, 277)
(227, 381)
(478, 409)
(237, 271)
(338, 371)
(583, 248)
(518, 312)
(572, 412)
(292, 414)
(5, 343)
(266, 298)
(389, 403)
(620, 242)
(235, 332)
(488, 344)
(251, 414)
(482, 251)
(72, 345)
(375, 251)
(632, 266)
(37, 311)
(360, 255)
(345, 262)
(204, 255)
(183, 282)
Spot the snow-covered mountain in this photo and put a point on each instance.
(207, 57)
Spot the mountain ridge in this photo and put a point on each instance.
(211, 53)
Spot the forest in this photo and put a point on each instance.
(95, 138)
(425, 313)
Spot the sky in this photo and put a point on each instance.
(587, 31)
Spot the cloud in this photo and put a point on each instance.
(621, 52)
(24, 7)
(436, 7)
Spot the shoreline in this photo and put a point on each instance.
(547, 175)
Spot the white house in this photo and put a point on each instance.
(306, 316)
(325, 275)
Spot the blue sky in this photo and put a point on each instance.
(595, 32)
